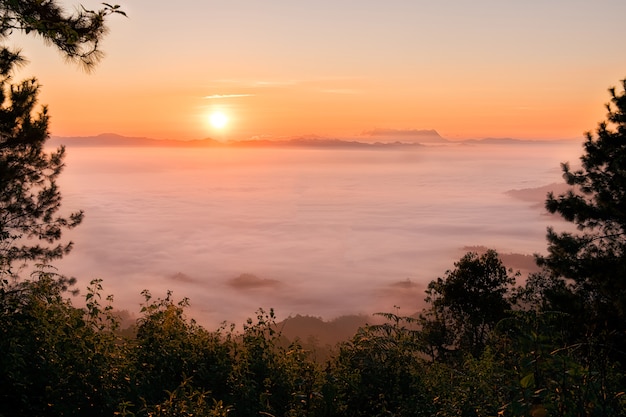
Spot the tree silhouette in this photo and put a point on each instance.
(466, 305)
(593, 261)
(76, 35)
(29, 196)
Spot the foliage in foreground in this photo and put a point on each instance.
(59, 360)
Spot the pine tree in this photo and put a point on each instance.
(30, 222)
(592, 261)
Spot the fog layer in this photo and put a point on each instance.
(318, 232)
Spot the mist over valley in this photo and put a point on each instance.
(322, 232)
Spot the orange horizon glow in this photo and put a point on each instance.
(288, 116)
(517, 71)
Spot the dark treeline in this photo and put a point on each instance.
(482, 346)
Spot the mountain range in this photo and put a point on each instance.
(393, 139)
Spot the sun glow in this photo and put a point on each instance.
(218, 120)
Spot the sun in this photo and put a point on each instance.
(218, 120)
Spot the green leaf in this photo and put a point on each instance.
(528, 381)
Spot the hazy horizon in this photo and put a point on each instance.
(337, 69)
(408, 136)
(311, 232)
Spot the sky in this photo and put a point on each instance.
(277, 69)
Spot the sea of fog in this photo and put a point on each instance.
(312, 232)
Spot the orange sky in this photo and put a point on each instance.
(531, 69)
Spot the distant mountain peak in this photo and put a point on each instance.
(412, 135)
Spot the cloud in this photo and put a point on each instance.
(220, 96)
(323, 233)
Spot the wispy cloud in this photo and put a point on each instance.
(220, 96)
